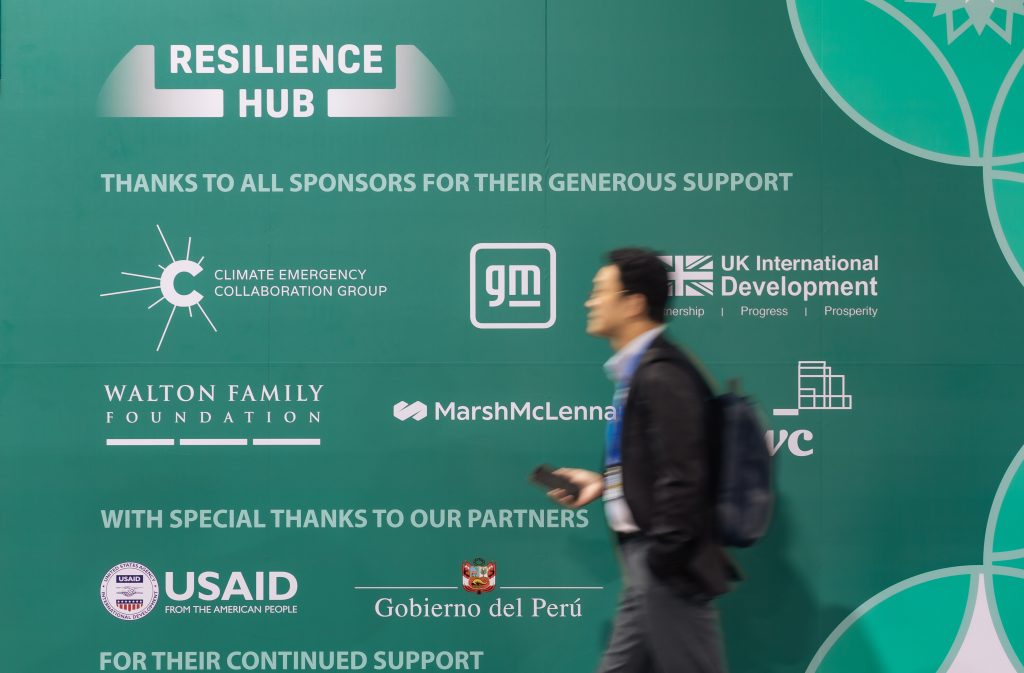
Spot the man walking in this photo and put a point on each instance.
(658, 481)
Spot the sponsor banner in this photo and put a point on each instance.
(293, 303)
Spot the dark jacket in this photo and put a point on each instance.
(669, 469)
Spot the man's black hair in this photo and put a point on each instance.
(641, 272)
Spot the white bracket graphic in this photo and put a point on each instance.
(420, 91)
(130, 91)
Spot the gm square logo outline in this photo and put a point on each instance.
(472, 285)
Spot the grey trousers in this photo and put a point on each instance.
(657, 630)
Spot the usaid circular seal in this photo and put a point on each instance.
(129, 591)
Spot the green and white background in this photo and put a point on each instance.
(891, 129)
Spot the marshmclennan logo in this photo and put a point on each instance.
(500, 411)
(405, 411)
(419, 89)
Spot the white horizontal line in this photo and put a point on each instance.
(786, 412)
(140, 442)
(577, 588)
(287, 442)
(364, 588)
(212, 442)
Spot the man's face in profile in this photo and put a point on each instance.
(607, 306)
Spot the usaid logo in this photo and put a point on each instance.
(212, 586)
(512, 286)
(690, 275)
(129, 596)
(133, 596)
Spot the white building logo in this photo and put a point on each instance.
(165, 284)
(512, 286)
(690, 275)
(818, 389)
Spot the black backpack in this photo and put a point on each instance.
(745, 498)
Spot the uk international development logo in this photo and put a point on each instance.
(512, 286)
(129, 591)
(690, 275)
(165, 283)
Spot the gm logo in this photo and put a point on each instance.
(416, 411)
(512, 286)
(690, 275)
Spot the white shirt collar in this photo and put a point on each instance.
(616, 365)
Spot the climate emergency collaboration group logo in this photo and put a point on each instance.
(166, 286)
(129, 591)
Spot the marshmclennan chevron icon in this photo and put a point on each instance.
(415, 410)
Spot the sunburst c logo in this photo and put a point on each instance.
(166, 287)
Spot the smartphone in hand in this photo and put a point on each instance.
(545, 477)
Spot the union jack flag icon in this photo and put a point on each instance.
(690, 275)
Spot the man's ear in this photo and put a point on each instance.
(637, 305)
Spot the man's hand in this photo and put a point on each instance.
(591, 487)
